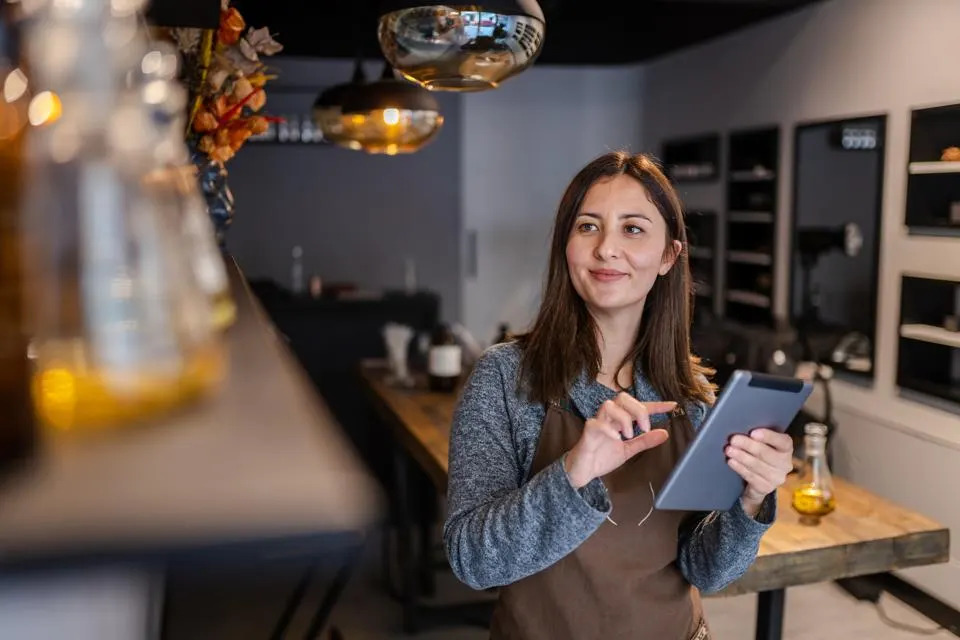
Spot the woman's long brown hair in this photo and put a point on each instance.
(563, 340)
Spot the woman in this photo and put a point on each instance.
(554, 458)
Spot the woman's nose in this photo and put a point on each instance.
(606, 247)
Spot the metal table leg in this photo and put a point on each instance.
(333, 593)
(770, 614)
(405, 551)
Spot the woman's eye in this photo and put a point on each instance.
(586, 226)
(633, 229)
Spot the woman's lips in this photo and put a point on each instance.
(607, 275)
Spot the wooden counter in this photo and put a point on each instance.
(261, 461)
(866, 534)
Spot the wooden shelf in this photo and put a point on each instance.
(932, 334)
(756, 175)
(749, 298)
(692, 159)
(751, 201)
(933, 189)
(934, 167)
(751, 217)
(750, 257)
(928, 359)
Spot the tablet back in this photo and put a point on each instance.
(701, 480)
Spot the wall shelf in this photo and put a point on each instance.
(941, 166)
(933, 183)
(750, 257)
(692, 159)
(932, 334)
(752, 163)
(750, 217)
(760, 174)
(749, 298)
(702, 250)
(929, 353)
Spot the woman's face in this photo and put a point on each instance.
(618, 247)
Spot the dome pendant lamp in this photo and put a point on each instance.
(461, 47)
(328, 109)
(391, 116)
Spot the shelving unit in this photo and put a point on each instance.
(933, 181)
(929, 358)
(752, 164)
(692, 159)
(703, 252)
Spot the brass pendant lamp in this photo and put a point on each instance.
(390, 116)
(461, 47)
(328, 108)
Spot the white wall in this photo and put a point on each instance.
(521, 145)
(837, 59)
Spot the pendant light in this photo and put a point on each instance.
(328, 108)
(465, 47)
(390, 116)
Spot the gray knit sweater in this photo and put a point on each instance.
(502, 525)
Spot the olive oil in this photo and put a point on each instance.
(813, 498)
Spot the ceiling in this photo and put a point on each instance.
(578, 31)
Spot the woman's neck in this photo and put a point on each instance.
(617, 335)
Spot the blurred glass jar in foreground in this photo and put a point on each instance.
(17, 433)
(813, 497)
(121, 327)
(174, 176)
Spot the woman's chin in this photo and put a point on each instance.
(607, 304)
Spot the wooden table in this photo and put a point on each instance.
(866, 534)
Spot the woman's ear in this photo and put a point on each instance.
(670, 255)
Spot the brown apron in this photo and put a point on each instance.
(623, 581)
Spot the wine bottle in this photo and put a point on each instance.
(445, 361)
(17, 433)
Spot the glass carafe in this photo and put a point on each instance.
(155, 81)
(814, 497)
(121, 329)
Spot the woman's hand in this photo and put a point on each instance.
(763, 459)
(601, 449)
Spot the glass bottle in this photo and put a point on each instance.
(173, 175)
(122, 331)
(813, 497)
(296, 271)
(444, 361)
(17, 434)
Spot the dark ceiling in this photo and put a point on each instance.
(578, 31)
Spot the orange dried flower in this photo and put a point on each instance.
(222, 154)
(204, 121)
(238, 137)
(206, 144)
(231, 26)
(259, 125)
(222, 137)
(257, 100)
(220, 106)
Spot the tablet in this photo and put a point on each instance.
(701, 480)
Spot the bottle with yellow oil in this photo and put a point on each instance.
(813, 498)
(120, 329)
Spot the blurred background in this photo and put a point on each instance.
(249, 250)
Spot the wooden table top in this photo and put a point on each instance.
(866, 534)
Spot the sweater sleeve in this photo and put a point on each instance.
(500, 528)
(717, 548)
